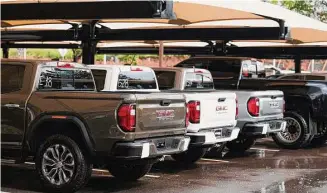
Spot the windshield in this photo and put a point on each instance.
(136, 80)
(198, 81)
(65, 78)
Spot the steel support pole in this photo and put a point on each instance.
(88, 49)
(5, 52)
(161, 53)
(297, 62)
(88, 43)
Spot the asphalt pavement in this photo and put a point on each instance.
(265, 168)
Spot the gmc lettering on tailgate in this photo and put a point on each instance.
(165, 114)
(221, 109)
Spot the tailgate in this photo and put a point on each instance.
(217, 108)
(160, 113)
(271, 102)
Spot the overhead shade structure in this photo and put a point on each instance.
(296, 36)
(64, 11)
(29, 12)
(292, 19)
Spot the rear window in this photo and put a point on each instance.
(198, 81)
(68, 77)
(219, 68)
(166, 79)
(136, 80)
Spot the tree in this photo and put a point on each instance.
(312, 8)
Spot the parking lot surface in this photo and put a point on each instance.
(264, 168)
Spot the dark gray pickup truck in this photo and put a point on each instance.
(53, 115)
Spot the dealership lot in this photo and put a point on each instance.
(264, 168)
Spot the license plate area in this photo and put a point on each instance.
(165, 144)
(220, 132)
(275, 125)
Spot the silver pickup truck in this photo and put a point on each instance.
(260, 112)
(212, 113)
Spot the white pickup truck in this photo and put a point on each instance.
(212, 114)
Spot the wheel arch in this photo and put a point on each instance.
(37, 127)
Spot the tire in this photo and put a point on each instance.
(190, 156)
(240, 144)
(294, 136)
(71, 161)
(129, 172)
(320, 139)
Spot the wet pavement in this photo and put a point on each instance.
(263, 169)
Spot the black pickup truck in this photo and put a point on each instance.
(305, 101)
(52, 114)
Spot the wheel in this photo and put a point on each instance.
(294, 136)
(129, 172)
(240, 144)
(192, 155)
(61, 165)
(321, 138)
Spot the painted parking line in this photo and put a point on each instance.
(106, 171)
(95, 170)
(214, 160)
(30, 163)
(265, 149)
(152, 176)
(5, 161)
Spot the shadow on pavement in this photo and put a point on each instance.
(171, 167)
(20, 178)
(26, 179)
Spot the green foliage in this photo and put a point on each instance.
(302, 7)
(313, 8)
(129, 59)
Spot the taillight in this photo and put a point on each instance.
(236, 112)
(283, 106)
(126, 117)
(254, 106)
(194, 111)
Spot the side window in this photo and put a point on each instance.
(99, 78)
(165, 79)
(12, 77)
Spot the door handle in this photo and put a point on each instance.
(221, 99)
(165, 102)
(11, 105)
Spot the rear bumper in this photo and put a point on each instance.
(211, 137)
(264, 128)
(151, 148)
